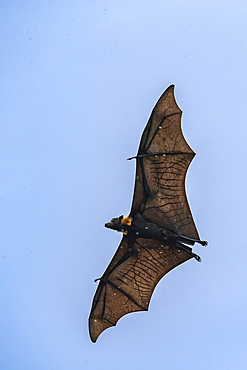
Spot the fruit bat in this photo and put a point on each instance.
(159, 230)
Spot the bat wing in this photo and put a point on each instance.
(129, 280)
(162, 162)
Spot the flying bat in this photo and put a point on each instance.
(159, 231)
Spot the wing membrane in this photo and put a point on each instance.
(127, 287)
(162, 162)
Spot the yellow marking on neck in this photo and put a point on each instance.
(126, 221)
(123, 232)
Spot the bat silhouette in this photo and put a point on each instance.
(160, 226)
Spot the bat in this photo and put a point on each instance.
(159, 231)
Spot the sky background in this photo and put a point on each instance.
(78, 82)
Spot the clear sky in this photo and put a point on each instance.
(78, 82)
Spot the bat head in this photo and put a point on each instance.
(115, 224)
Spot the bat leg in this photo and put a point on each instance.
(180, 245)
(191, 241)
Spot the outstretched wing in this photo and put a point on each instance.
(129, 280)
(162, 162)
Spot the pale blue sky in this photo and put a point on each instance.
(78, 82)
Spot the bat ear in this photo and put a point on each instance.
(121, 217)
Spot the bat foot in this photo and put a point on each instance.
(203, 242)
(188, 249)
(198, 258)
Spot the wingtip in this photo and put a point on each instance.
(92, 335)
(97, 327)
(171, 87)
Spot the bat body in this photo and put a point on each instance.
(159, 228)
